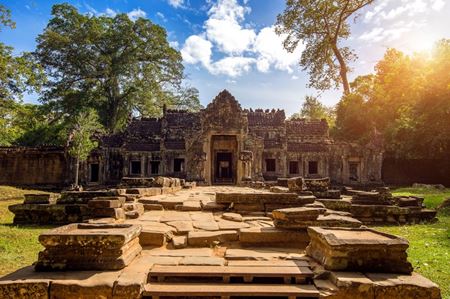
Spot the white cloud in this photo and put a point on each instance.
(176, 3)
(110, 12)
(161, 16)
(392, 33)
(393, 10)
(174, 44)
(136, 14)
(438, 5)
(240, 46)
(197, 49)
(223, 28)
(232, 66)
(269, 47)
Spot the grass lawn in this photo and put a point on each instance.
(19, 245)
(429, 250)
(429, 244)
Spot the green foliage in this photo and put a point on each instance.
(111, 64)
(407, 101)
(321, 26)
(312, 108)
(84, 126)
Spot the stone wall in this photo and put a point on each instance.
(410, 171)
(33, 166)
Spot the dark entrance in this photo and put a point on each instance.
(224, 168)
(94, 173)
(224, 161)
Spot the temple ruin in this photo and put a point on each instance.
(225, 144)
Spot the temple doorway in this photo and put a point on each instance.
(224, 164)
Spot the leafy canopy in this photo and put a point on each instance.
(312, 108)
(321, 25)
(114, 65)
(406, 100)
(85, 124)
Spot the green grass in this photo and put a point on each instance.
(19, 245)
(429, 244)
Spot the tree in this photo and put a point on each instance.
(112, 64)
(312, 108)
(18, 74)
(81, 143)
(321, 25)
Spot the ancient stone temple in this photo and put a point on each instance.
(225, 144)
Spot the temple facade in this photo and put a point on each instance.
(225, 144)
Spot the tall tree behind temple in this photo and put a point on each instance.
(114, 65)
(312, 108)
(321, 25)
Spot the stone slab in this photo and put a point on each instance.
(360, 249)
(273, 236)
(212, 238)
(202, 261)
(206, 225)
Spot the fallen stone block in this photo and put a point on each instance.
(358, 249)
(211, 238)
(301, 213)
(232, 217)
(179, 242)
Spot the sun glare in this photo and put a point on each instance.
(419, 43)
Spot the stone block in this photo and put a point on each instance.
(182, 227)
(278, 189)
(336, 204)
(358, 249)
(116, 213)
(153, 207)
(321, 184)
(102, 203)
(83, 197)
(202, 261)
(273, 237)
(301, 213)
(393, 286)
(179, 242)
(206, 225)
(296, 184)
(201, 239)
(255, 197)
(89, 247)
(232, 217)
(40, 198)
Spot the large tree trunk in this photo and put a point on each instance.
(343, 69)
(77, 166)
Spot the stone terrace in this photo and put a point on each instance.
(195, 246)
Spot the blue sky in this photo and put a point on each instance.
(231, 44)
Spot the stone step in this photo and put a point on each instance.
(226, 290)
(299, 274)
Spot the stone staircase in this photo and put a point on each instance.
(239, 279)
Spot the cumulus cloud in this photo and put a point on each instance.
(241, 46)
(136, 14)
(176, 3)
(196, 49)
(223, 27)
(232, 66)
(269, 47)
